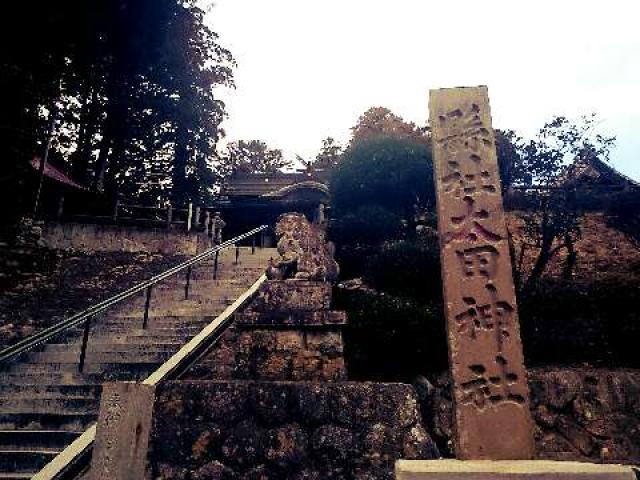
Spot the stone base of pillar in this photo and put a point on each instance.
(509, 470)
(289, 333)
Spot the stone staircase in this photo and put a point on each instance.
(45, 403)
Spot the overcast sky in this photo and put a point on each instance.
(308, 69)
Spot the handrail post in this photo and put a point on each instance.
(186, 287)
(262, 238)
(83, 347)
(253, 244)
(215, 266)
(147, 303)
(237, 253)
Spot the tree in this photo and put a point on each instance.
(133, 82)
(329, 154)
(382, 122)
(392, 173)
(553, 221)
(254, 156)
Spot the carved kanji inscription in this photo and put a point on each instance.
(489, 379)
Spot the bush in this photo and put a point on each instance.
(564, 322)
(367, 225)
(406, 268)
(391, 338)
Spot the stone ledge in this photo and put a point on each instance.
(292, 295)
(322, 318)
(509, 470)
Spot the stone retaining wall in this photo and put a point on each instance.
(115, 238)
(580, 414)
(285, 430)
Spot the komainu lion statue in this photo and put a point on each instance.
(304, 254)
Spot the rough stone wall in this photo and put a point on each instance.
(286, 333)
(580, 414)
(113, 238)
(283, 430)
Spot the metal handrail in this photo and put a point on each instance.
(75, 459)
(85, 316)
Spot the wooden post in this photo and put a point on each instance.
(196, 218)
(116, 206)
(60, 207)
(490, 390)
(169, 216)
(189, 216)
(207, 219)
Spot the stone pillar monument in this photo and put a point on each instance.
(491, 397)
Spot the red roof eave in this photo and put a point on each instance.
(53, 173)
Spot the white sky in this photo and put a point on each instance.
(308, 69)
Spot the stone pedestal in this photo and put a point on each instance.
(289, 333)
(509, 470)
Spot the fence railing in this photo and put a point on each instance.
(189, 217)
(85, 317)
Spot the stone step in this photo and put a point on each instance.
(111, 344)
(47, 378)
(131, 356)
(70, 421)
(136, 368)
(49, 391)
(48, 405)
(34, 439)
(16, 475)
(25, 460)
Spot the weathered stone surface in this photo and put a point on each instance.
(122, 436)
(289, 355)
(292, 296)
(303, 252)
(117, 238)
(580, 414)
(492, 419)
(252, 319)
(509, 470)
(284, 430)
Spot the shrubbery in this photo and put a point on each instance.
(391, 338)
(366, 225)
(406, 268)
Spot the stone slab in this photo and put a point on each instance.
(321, 318)
(509, 470)
(292, 295)
(491, 397)
(123, 429)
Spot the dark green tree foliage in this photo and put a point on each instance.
(132, 82)
(392, 173)
(254, 156)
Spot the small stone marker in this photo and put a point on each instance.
(491, 396)
(122, 437)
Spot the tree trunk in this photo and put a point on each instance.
(179, 193)
(541, 262)
(572, 258)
